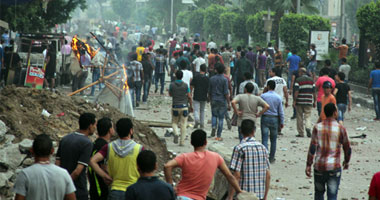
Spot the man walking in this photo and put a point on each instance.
(121, 156)
(319, 85)
(293, 62)
(281, 88)
(195, 183)
(37, 182)
(226, 56)
(138, 79)
(74, 153)
(248, 106)
(374, 83)
(242, 66)
(261, 66)
(181, 106)
(250, 164)
(200, 85)
(271, 119)
(304, 100)
(326, 141)
(149, 186)
(220, 100)
(159, 73)
(248, 79)
(99, 189)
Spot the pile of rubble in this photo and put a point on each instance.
(25, 113)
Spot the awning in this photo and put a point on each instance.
(4, 24)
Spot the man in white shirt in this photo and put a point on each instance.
(212, 45)
(187, 75)
(281, 87)
(249, 79)
(198, 62)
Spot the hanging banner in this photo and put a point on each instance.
(321, 41)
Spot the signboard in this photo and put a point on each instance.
(321, 41)
(35, 77)
(187, 1)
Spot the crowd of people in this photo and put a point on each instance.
(243, 80)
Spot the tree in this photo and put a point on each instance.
(351, 8)
(295, 28)
(31, 17)
(196, 19)
(211, 22)
(255, 26)
(227, 21)
(206, 3)
(124, 8)
(183, 18)
(368, 18)
(239, 30)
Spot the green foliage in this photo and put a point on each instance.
(351, 8)
(239, 29)
(295, 28)
(255, 26)
(227, 21)
(211, 22)
(333, 56)
(357, 74)
(368, 18)
(196, 21)
(206, 3)
(183, 18)
(123, 8)
(30, 17)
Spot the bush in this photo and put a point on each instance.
(211, 21)
(357, 74)
(227, 21)
(295, 28)
(182, 18)
(239, 31)
(195, 22)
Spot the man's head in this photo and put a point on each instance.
(302, 71)
(179, 75)
(249, 88)
(87, 122)
(219, 68)
(270, 44)
(42, 146)
(180, 53)
(242, 54)
(223, 49)
(175, 55)
(344, 41)
(247, 76)
(203, 67)
(324, 71)
(327, 63)
(287, 49)
(294, 51)
(250, 48)
(183, 64)
(134, 57)
(340, 76)
(312, 46)
(272, 73)
(140, 44)
(104, 126)
(248, 128)
(343, 60)
(124, 127)
(377, 64)
(330, 110)
(198, 138)
(327, 87)
(271, 85)
(146, 161)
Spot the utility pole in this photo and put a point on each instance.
(298, 6)
(268, 33)
(171, 17)
(342, 20)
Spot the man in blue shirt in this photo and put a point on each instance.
(374, 83)
(220, 100)
(293, 62)
(271, 119)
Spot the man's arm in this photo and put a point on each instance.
(312, 151)
(98, 157)
(231, 190)
(292, 84)
(168, 168)
(295, 98)
(189, 97)
(70, 196)
(75, 174)
(267, 184)
(349, 100)
(265, 108)
(230, 178)
(370, 84)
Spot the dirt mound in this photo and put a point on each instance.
(21, 108)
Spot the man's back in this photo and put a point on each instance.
(305, 87)
(329, 136)
(375, 76)
(195, 183)
(250, 158)
(44, 182)
(200, 84)
(218, 88)
(280, 84)
(294, 60)
(150, 188)
(178, 90)
(243, 84)
(345, 69)
(75, 149)
(226, 58)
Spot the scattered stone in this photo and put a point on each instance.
(25, 146)
(246, 196)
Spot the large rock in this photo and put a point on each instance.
(219, 186)
(4, 178)
(3, 130)
(25, 145)
(10, 156)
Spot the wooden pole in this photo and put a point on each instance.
(94, 83)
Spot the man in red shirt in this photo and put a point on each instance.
(319, 85)
(374, 188)
(195, 183)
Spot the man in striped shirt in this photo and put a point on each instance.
(327, 139)
(304, 100)
(250, 163)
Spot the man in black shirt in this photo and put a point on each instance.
(74, 152)
(342, 94)
(148, 185)
(200, 87)
(148, 68)
(98, 189)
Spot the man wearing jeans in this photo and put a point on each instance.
(159, 73)
(180, 93)
(327, 138)
(270, 119)
(220, 100)
(200, 87)
(374, 83)
(138, 78)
